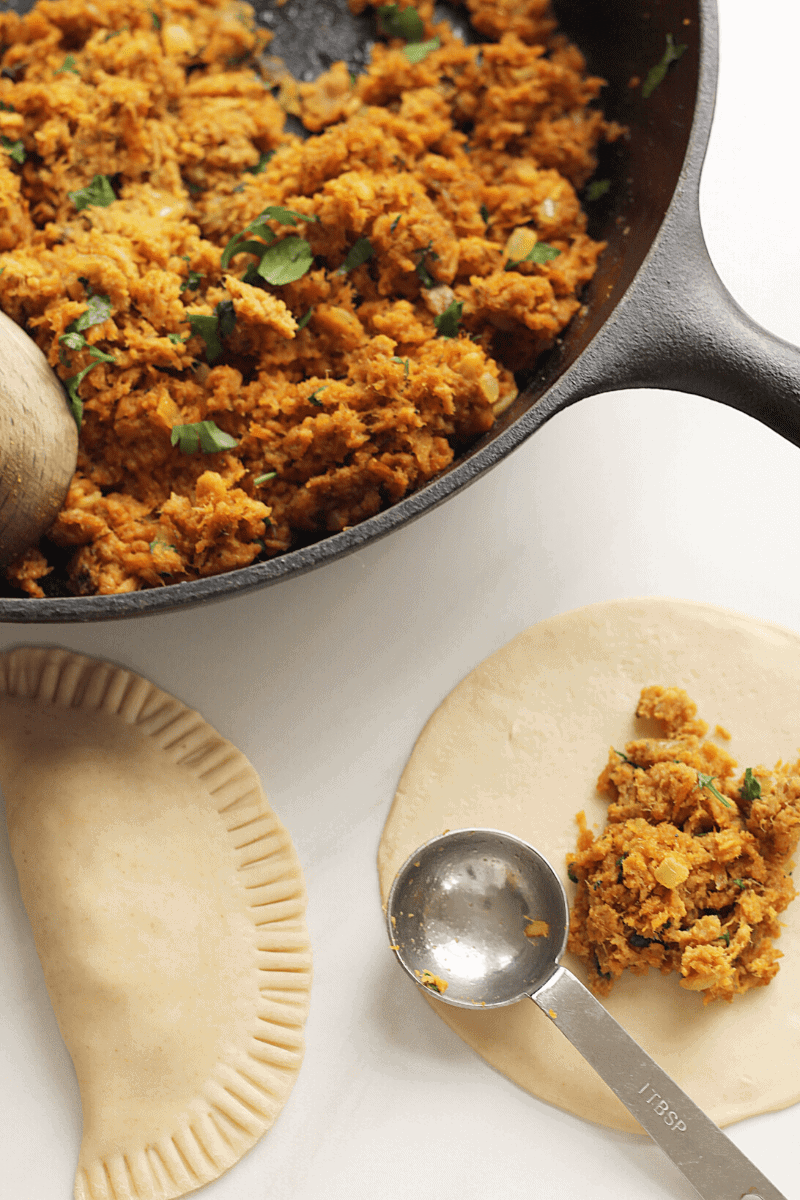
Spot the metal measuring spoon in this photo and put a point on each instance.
(458, 910)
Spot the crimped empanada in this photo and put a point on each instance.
(167, 905)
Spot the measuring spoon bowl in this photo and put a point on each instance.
(457, 915)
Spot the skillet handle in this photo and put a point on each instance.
(679, 328)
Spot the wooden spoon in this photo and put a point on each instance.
(38, 442)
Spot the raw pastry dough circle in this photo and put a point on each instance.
(518, 745)
(168, 910)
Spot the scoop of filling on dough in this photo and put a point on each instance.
(692, 868)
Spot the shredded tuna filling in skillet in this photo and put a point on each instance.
(240, 398)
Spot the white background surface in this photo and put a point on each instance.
(325, 682)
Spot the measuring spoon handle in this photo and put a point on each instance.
(706, 1156)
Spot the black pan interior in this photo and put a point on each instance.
(622, 40)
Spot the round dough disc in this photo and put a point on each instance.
(518, 745)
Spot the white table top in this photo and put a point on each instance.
(325, 682)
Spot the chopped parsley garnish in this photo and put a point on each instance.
(285, 216)
(260, 166)
(15, 150)
(226, 315)
(416, 51)
(405, 23)
(597, 188)
(426, 279)
(484, 214)
(211, 327)
(280, 262)
(707, 781)
(98, 193)
(205, 436)
(73, 383)
(360, 251)
(264, 478)
(98, 310)
(542, 252)
(306, 317)
(447, 322)
(155, 19)
(656, 74)
(6, 107)
(285, 261)
(571, 874)
(68, 65)
(314, 397)
(751, 788)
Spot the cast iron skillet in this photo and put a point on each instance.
(656, 313)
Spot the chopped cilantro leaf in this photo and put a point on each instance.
(6, 107)
(406, 365)
(571, 874)
(285, 216)
(542, 252)
(656, 74)
(175, 338)
(155, 19)
(313, 398)
(73, 383)
(193, 281)
(751, 788)
(306, 317)
(726, 937)
(260, 166)
(415, 52)
(211, 327)
(597, 188)
(237, 246)
(447, 322)
(360, 251)
(405, 23)
(207, 326)
(205, 436)
(421, 268)
(226, 315)
(285, 261)
(98, 310)
(264, 478)
(15, 150)
(68, 65)
(707, 781)
(393, 225)
(98, 192)
(484, 214)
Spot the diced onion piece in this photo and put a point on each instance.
(177, 40)
(438, 298)
(671, 871)
(520, 243)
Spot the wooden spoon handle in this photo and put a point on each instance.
(38, 442)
